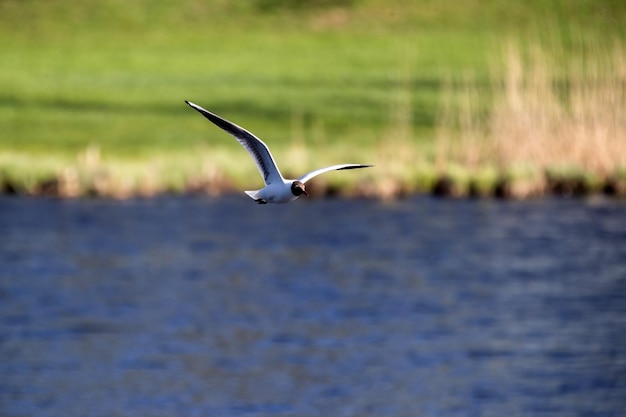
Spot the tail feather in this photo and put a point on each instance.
(255, 196)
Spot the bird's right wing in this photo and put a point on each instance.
(303, 179)
(255, 146)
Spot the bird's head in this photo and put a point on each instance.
(297, 189)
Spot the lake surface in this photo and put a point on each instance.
(195, 306)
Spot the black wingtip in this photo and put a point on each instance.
(357, 166)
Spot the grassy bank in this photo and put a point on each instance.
(91, 96)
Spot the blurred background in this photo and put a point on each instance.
(158, 288)
(483, 93)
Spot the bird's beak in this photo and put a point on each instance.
(305, 192)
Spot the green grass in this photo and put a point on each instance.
(114, 75)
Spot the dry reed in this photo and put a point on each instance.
(547, 119)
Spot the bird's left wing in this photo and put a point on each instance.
(255, 146)
(303, 179)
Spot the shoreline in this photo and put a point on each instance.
(443, 186)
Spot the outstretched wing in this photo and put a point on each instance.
(317, 172)
(255, 146)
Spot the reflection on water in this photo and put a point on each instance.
(219, 307)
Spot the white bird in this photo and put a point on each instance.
(277, 189)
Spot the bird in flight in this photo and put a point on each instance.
(277, 189)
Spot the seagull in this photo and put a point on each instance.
(277, 189)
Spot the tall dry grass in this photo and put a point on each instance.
(402, 164)
(550, 114)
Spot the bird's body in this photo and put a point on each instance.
(276, 192)
(277, 189)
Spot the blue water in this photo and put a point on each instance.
(196, 306)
